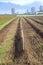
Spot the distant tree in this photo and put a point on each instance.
(33, 11)
(27, 11)
(41, 8)
(13, 11)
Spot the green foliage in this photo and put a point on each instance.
(5, 19)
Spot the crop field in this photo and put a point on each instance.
(21, 40)
(4, 20)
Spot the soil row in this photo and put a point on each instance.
(37, 21)
(32, 43)
(35, 27)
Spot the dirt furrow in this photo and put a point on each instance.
(37, 21)
(35, 27)
(7, 36)
(20, 55)
(21, 44)
(32, 44)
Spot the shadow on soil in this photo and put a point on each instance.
(20, 55)
(18, 45)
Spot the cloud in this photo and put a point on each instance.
(24, 2)
(41, 1)
(21, 2)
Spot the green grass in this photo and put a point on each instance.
(6, 44)
(5, 19)
(4, 49)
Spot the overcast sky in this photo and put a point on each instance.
(21, 2)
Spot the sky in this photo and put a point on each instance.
(21, 2)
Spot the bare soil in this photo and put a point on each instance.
(33, 51)
(32, 44)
